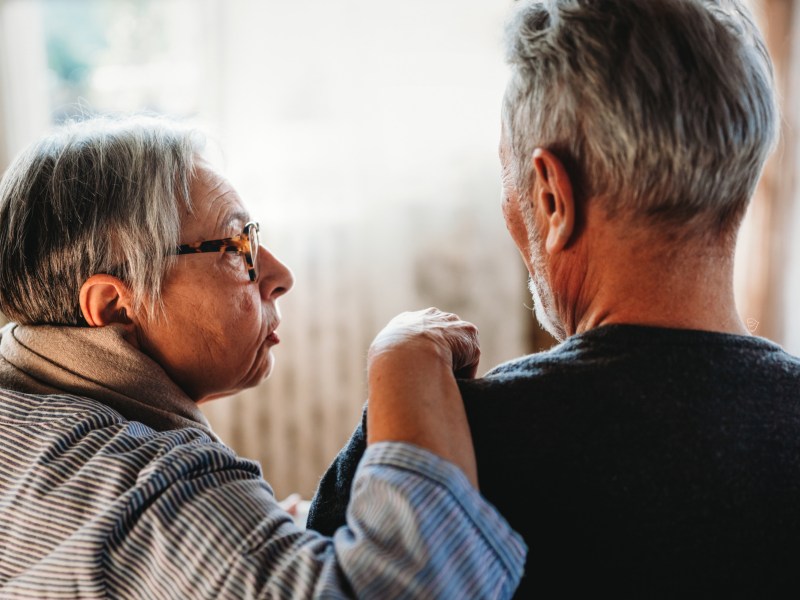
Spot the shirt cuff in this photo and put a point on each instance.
(494, 529)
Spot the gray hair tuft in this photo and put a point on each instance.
(663, 108)
(103, 195)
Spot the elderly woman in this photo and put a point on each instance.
(138, 289)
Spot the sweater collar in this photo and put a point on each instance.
(96, 363)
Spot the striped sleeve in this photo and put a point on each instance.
(208, 527)
(95, 506)
(462, 548)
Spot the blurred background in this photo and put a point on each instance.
(363, 136)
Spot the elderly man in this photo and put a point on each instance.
(657, 448)
(139, 288)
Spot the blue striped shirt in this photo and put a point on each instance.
(94, 505)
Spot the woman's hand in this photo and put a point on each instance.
(413, 396)
(432, 333)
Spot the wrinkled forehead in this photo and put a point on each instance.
(217, 208)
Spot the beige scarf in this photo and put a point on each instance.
(96, 363)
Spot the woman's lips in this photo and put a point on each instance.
(273, 338)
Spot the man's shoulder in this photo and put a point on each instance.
(621, 346)
(625, 368)
(526, 366)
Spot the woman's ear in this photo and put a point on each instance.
(104, 300)
(555, 200)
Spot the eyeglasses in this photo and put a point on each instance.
(246, 243)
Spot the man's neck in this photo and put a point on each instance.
(642, 282)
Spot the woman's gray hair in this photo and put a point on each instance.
(664, 108)
(103, 195)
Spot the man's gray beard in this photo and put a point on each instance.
(544, 306)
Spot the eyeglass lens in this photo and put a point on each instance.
(252, 234)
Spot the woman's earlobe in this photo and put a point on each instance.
(104, 300)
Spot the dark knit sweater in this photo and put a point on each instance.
(636, 460)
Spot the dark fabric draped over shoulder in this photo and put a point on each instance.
(636, 460)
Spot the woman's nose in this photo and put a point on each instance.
(274, 277)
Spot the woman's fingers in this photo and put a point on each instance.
(449, 337)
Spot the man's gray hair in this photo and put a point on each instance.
(664, 108)
(104, 195)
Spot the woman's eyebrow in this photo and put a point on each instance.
(236, 218)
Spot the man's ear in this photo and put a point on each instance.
(105, 300)
(553, 199)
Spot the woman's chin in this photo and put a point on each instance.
(258, 373)
(262, 371)
(270, 365)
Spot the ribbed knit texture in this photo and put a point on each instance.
(637, 461)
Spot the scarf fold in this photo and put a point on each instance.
(96, 363)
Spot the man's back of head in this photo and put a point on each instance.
(634, 134)
(663, 110)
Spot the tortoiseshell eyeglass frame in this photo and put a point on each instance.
(246, 243)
